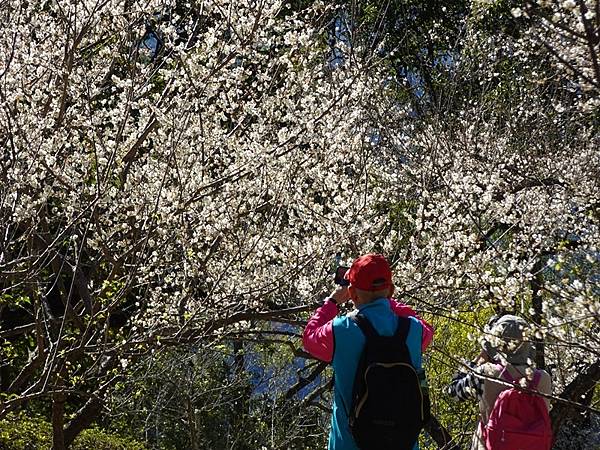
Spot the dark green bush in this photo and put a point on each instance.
(22, 432)
(101, 440)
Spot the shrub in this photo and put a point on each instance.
(18, 431)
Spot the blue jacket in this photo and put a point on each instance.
(348, 345)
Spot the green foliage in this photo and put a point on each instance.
(23, 432)
(401, 226)
(16, 299)
(98, 439)
(453, 344)
(210, 399)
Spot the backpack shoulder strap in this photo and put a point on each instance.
(403, 328)
(537, 376)
(365, 326)
(369, 331)
(504, 373)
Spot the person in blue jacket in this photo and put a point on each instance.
(338, 339)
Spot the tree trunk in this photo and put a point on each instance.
(58, 421)
(84, 418)
(580, 386)
(192, 425)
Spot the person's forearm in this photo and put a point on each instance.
(318, 333)
(465, 386)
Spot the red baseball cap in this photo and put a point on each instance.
(370, 272)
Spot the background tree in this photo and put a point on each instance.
(169, 171)
(178, 178)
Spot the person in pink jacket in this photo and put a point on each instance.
(339, 341)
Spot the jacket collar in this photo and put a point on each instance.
(374, 304)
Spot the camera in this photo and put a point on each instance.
(339, 276)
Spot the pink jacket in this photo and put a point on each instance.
(318, 335)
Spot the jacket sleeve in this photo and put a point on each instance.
(318, 334)
(400, 309)
(466, 385)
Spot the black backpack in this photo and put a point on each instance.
(390, 402)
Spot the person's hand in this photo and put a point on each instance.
(482, 358)
(341, 295)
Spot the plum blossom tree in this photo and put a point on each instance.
(506, 192)
(569, 32)
(497, 192)
(176, 174)
(169, 170)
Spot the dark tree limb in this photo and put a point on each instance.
(537, 303)
(317, 393)
(584, 382)
(92, 408)
(27, 372)
(440, 435)
(305, 381)
(83, 419)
